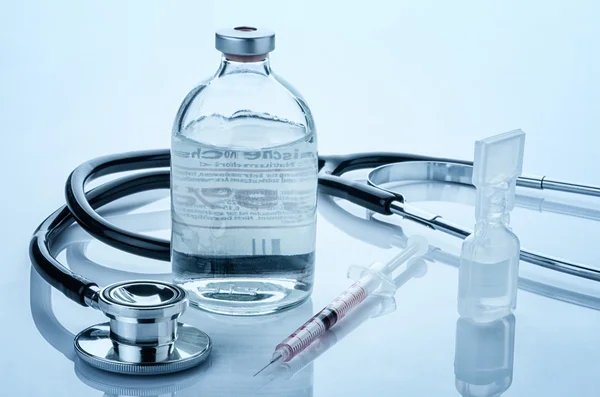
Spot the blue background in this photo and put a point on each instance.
(80, 79)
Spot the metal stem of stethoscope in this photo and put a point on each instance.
(547, 184)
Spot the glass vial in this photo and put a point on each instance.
(244, 185)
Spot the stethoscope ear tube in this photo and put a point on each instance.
(74, 286)
(86, 216)
(331, 182)
(369, 197)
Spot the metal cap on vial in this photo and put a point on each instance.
(245, 41)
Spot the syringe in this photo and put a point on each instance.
(376, 279)
(373, 306)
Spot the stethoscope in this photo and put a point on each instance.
(111, 384)
(143, 335)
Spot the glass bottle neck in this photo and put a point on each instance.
(232, 65)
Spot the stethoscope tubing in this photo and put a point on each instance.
(366, 196)
(81, 206)
(75, 286)
(331, 182)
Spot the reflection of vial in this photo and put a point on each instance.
(244, 185)
(483, 361)
(489, 261)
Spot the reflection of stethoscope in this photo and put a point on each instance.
(143, 335)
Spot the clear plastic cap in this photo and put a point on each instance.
(499, 160)
(498, 163)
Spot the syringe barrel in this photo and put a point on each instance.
(348, 300)
(372, 307)
(322, 321)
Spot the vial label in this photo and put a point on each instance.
(243, 202)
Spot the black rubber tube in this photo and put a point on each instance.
(331, 182)
(82, 205)
(73, 285)
(100, 228)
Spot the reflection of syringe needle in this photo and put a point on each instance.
(370, 308)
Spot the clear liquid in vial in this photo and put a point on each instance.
(243, 200)
(488, 275)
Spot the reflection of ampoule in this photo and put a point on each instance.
(483, 361)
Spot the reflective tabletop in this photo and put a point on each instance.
(412, 343)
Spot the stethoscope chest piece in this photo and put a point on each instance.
(143, 336)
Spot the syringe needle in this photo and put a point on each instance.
(273, 361)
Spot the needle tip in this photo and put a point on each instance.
(263, 368)
(273, 361)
